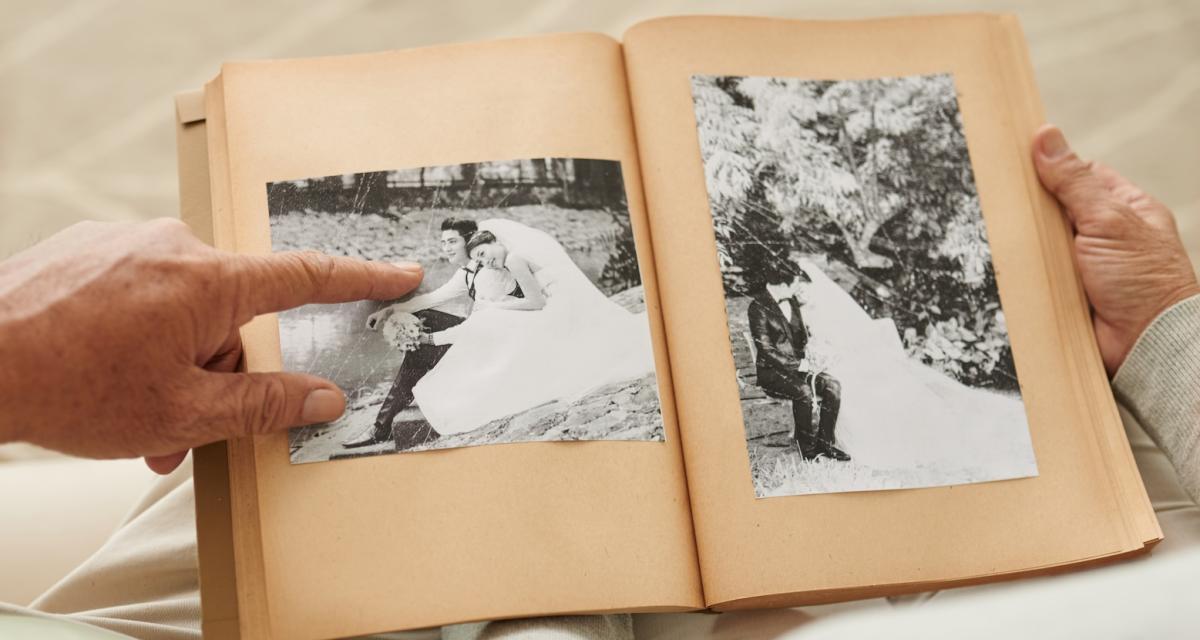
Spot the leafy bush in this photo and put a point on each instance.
(874, 176)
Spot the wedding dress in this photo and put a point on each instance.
(899, 413)
(504, 362)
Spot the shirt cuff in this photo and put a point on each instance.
(1159, 383)
(443, 338)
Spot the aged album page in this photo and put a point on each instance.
(426, 538)
(1079, 501)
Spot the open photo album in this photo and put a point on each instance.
(733, 313)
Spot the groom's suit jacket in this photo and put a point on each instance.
(779, 343)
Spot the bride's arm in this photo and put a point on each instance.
(534, 299)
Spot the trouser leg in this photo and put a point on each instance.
(398, 397)
(830, 393)
(802, 416)
(414, 367)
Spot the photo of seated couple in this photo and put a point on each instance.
(864, 317)
(530, 324)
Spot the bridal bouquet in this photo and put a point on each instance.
(403, 330)
(818, 357)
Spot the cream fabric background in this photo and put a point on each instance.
(85, 110)
(86, 130)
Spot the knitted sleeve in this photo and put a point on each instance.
(1159, 383)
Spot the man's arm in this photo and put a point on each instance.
(1159, 383)
(453, 288)
(767, 352)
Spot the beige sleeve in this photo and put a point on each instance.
(1159, 384)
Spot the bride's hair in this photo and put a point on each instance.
(479, 239)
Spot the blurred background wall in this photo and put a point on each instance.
(86, 111)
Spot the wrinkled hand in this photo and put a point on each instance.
(121, 340)
(1127, 247)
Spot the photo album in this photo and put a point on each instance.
(733, 313)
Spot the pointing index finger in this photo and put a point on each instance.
(289, 279)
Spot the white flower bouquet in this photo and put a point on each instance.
(818, 357)
(403, 331)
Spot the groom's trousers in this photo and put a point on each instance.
(416, 364)
(802, 388)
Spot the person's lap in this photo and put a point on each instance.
(143, 581)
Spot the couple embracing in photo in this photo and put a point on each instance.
(516, 325)
(781, 356)
(855, 390)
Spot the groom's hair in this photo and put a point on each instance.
(462, 226)
(761, 267)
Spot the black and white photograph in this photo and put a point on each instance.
(865, 324)
(530, 324)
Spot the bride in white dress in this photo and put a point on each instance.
(899, 413)
(561, 339)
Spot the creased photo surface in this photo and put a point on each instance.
(530, 324)
(864, 320)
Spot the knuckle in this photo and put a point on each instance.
(264, 405)
(1076, 171)
(230, 286)
(317, 267)
(1068, 171)
(171, 233)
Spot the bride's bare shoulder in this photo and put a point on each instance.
(515, 261)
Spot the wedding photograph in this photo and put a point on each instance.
(530, 323)
(865, 324)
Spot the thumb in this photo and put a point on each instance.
(1081, 190)
(257, 403)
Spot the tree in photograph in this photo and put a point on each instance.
(860, 153)
(875, 175)
(736, 177)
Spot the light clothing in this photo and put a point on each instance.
(1159, 383)
(504, 362)
(898, 414)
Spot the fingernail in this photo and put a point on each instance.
(408, 266)
(1054, 144)
(321, 405)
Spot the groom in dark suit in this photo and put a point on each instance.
(780, 339)
(445, 307)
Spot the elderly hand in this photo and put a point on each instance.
(1127, 247)
(121, 340)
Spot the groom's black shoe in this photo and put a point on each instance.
(828, 449)
(377, 435)
(808, 446)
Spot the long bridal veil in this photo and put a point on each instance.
(896, 411)
(505, 362)
(567, 288)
